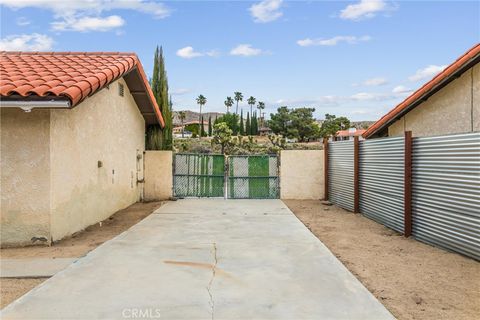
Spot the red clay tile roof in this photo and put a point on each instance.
(347, 133)
(74, 75)
(436, 83)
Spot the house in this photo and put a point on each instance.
(195, 124)
(72, 140)
(447, 104)
(264, 131)
(349, 134)
(180, 132)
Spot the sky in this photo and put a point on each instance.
(349, 58)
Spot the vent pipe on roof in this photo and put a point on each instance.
(27, 106)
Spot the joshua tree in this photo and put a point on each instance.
(228, 103)
(222, 135)
(201, 101)
(261, 106)
(251, 102)
(182, 115)
(238, 96)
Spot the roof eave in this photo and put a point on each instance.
(464, 63)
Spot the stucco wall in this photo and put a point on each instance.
(301, 174)
(453, 109)
(158, 175)
(105, 127)
(25, 176)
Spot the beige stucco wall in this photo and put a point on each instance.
(301, 174)
(158, 175)
(453, 109)
(25, 176)
(105, 127)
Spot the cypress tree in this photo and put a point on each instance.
(210, 126)
(248, 128)
(165, 105)
(202, 128)
(254, 124)
(242, 127)
(156, 138)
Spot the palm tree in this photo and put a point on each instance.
(238, 97)
(201, 101)
(182, 115)
(261, 106)
(228, 103)
(251, 102)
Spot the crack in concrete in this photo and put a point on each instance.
(209, 287)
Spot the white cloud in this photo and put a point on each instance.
(26, 42)
(364, 9)
(332, 41)
(360, 111)
(86, 24)
(266, 11)
(82, 15)
(373, 82)
(401, 90)
(22, 21)
(366, 96)
(180, 91)
(73, 7)
(426, 73)
(188, 53)
(246, 50)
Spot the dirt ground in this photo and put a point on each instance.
(77, 245)
(413, 280)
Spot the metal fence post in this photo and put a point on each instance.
(325, 169)
(226, 167)
(407, 220)
(356, 176)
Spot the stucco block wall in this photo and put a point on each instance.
(158, 175)
(105, 127)
(301, 174)
(453, 109)
(25, 176)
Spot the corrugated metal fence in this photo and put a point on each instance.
(446, 192)
(381, 180)
(445, 186)
(340, 173)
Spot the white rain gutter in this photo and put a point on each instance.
(27, 106)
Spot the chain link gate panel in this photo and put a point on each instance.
(198, 175)
(253, 177)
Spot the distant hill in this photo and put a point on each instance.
(192, 116)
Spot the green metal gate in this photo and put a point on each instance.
(204, 175)
(198, 175)
(253, 177)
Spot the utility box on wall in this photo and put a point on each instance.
(158, 175)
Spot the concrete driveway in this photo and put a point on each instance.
(206, 259)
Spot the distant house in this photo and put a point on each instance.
(349, 134)
(447, 104)
(196, 122)
(72, 140)
(264, 131)
(179, 132)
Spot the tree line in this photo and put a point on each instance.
(300, 124)
(237, 123)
